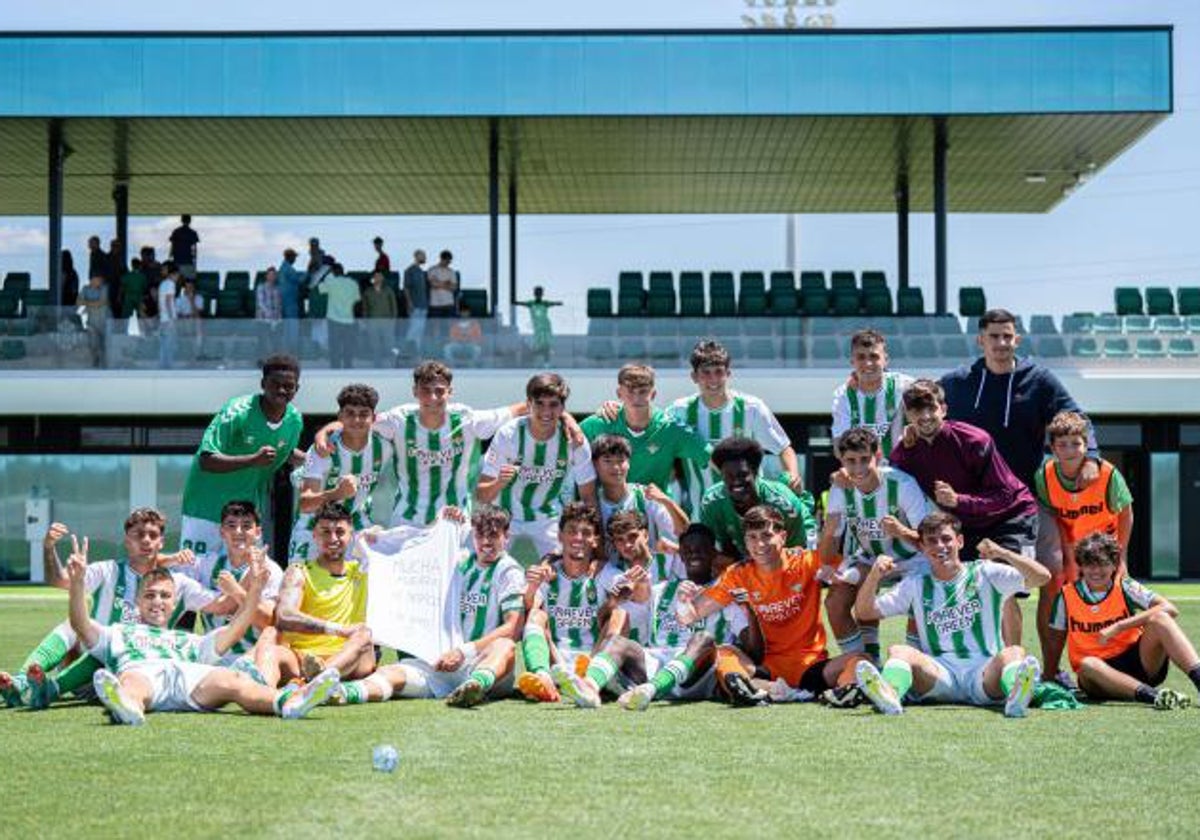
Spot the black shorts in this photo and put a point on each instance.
(1018, 534)
(1129, 662)
(812, 680)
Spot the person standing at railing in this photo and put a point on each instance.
(70, 280)
(416, 298)
(189, 308)
(379, 313)
(343, 293)
(167, 336)
(291, 283)
(94, 296)
(183, 246)
(443, 287)
(268, 312)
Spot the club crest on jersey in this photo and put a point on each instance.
(652, 448)
(797, 587)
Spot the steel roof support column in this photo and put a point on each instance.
(54, 209)
(902, 230)
(120, 196)
(494, 207)
(940, 145)
(512, 243)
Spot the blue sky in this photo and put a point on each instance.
(1134, 223)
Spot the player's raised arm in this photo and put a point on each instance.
(239, 625)
(865, 608)
(1035, 573)
(81, 622)
(53, 571)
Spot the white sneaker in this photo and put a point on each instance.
(575, 688)
(1028, 674)
(638, 699)
(108, 689)
(878, 690)
(316, 692)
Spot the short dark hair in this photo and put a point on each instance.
(486, 517)
(280, 363)
(378, 240)
(241, 507)
(579, 512)
(936, 521)
(547, 385)
(611, 445)
(332, 512)
(626, 520)
(858, 439)
(996, 316)
(923, 393)
(445, 255)
(709, 353)
(1067, 424)
(146, 516)
(186, 218)
(867, 338)
(358, 394)
(736, 449)
(698, 530)
(156, 575)
(1098, 549)
(431, 371)
(763, 516)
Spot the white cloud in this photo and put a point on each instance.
(223, 239)
(20, 240)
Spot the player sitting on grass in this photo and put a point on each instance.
(681, 658)
(111, 586)
(873, 514)
(1121, 637)
(785, 596)
(533, 466)
(738, 459)
(150, 668)
(348, 474)
(492, 588)
(957, 607)
(323, 605)
(569, 613)
(611, 456)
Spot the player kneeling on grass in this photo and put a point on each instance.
(1121, 637)
(491, 605)
(323, 605)
(150, 668)
(570, 615)
(785, 596)
(957, 608)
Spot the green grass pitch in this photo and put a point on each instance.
(512, 769)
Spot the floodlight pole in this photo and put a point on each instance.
(512, 244)
(494, 207)
(902, 230)
(940, 145)
(54, 209)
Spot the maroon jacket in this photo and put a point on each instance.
(965, 457)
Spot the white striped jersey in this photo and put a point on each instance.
(742, 416)
(436, 467)
(663, 567)
(666, 631)
(882, 411)
(573, 606)
(112, 587)
(126, 645)
(658, 520)
(959, 618)
(210, 569)
(898, 495)
(367, 464)
(487, 593)
(549, 471)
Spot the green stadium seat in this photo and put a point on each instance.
(208, 283)
(17, 281)
(1135, 324)
(753, 287)
(601, 350)
(362, 278)
(722, 307)
(722, 301)
(916, 326)
(662, 282)
(1117, 347)
(631, 328)
(1189, 300)
(1159, 301)
(1042, 325)
(632, 350)
(761, 350)
(812, 280)
(1049, 347)
(691, 306)
(782, 280)
(897, 349)
(664, 348)
(910, 301)
(922, 348)
(1108, 325)
(945, 325)
(874, 280)
(1128, 300)
(1085, 348)
(827, 348)
(955, 347)
(237, 280)
(660, 304)
(230, 304)
(814, 301)
(752, 303)
(691, 293)
(12, 350)
(757, 327)
(476, 300)
(601, 328)
(10, 303)
(783, 303)
(842, 280)
(795, 350)
(1167, 324)
(972, 302)
(630, 281)
(599, 303)
(1182, 348)
(1149, 347)
(1193, 324)
(1078, 324)
(846, 302)
(877, 301)
(631, 304)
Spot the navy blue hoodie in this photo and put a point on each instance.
(1014, 408)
